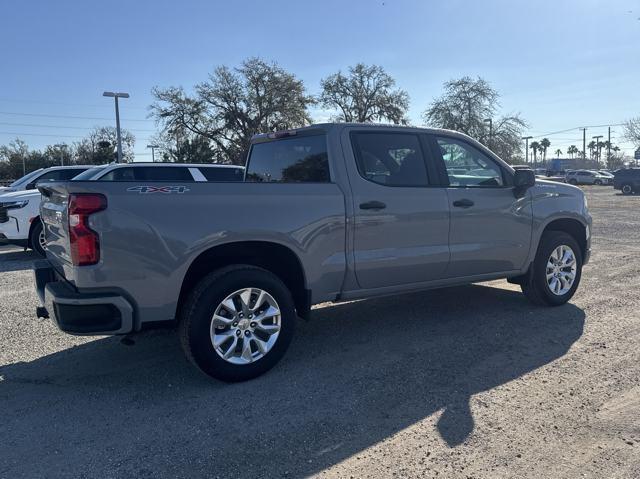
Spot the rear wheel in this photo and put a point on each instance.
(555, 274)
(237, 323)
(627, 189)
(37, 239)
(598, 182)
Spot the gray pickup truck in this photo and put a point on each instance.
(329, 212)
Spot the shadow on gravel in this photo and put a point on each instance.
(12, 259)
(356, 374)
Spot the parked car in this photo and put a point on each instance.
(55, 173)
(20, 220)
(329, 212)
(144, 171)
(607, 173)
(586, 177)
(627, 181)
(20, 223)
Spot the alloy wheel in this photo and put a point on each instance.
(561, 270)
(245, 326)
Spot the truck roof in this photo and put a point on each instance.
(328, 126)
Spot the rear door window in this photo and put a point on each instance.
(301, 159)
(390, 159)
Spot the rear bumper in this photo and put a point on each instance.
(80, 313)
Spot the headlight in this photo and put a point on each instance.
(14, 205)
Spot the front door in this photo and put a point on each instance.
(490, 227)
(401, 218)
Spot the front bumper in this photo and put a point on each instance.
(80, 313)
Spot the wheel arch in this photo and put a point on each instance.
(34, 222)
(274, 257)
(573, 227)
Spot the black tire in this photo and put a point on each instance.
(34, 238)
(598, 182)
(573, 181)
(534, 286)
(198, 310)
(627, 189)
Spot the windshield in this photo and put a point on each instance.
(26, 178)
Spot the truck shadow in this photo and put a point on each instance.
(357, 373)
(16, 259)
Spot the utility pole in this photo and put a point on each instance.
(490, 121)
(116, 96)
(597, 138)
(61, 147)
(526, 147)
(584, 143)
(609, 146)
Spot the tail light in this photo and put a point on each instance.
(84, 242)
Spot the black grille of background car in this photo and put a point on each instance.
(4, 217)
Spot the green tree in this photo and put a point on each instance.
(592, 147)
(466, 104)
(544, 144)
(558, 153)
(366, 94)
(535, 146)
(232, 105)
(572, 150)
(99, 146)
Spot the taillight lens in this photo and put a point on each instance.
(84, 242)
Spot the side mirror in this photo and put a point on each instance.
(523, 179)
(30, 186)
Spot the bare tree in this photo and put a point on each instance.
(466, 105)
(632, 130)
(233, 105)
(367, 94)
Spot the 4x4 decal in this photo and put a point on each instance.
(158, 189)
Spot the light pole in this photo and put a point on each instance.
(61, 147)
(526, 147)
(490, 121)
(153, 152)
(116, 96)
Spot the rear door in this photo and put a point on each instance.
(490, 228)
(401, 218)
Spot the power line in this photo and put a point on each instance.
(577, 128)
(64, 126)
(67, 116)
(43, 102)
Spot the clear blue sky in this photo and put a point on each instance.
(561, 64)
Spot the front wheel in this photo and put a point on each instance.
(37, 239)
(627, 189)
(598, 182)
(573, 181)
(555, 274)
(237, 323)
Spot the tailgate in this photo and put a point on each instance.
(53, 212)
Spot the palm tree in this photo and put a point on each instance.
(544, 144)
(535, 146)
(592, 147)
(573, 150)
(558, 153)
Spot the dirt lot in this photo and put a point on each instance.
(468, 382)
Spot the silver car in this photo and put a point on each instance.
(586, 177)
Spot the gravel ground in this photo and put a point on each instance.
(469, 382)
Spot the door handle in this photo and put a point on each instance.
(373, 205)
(464, 203)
